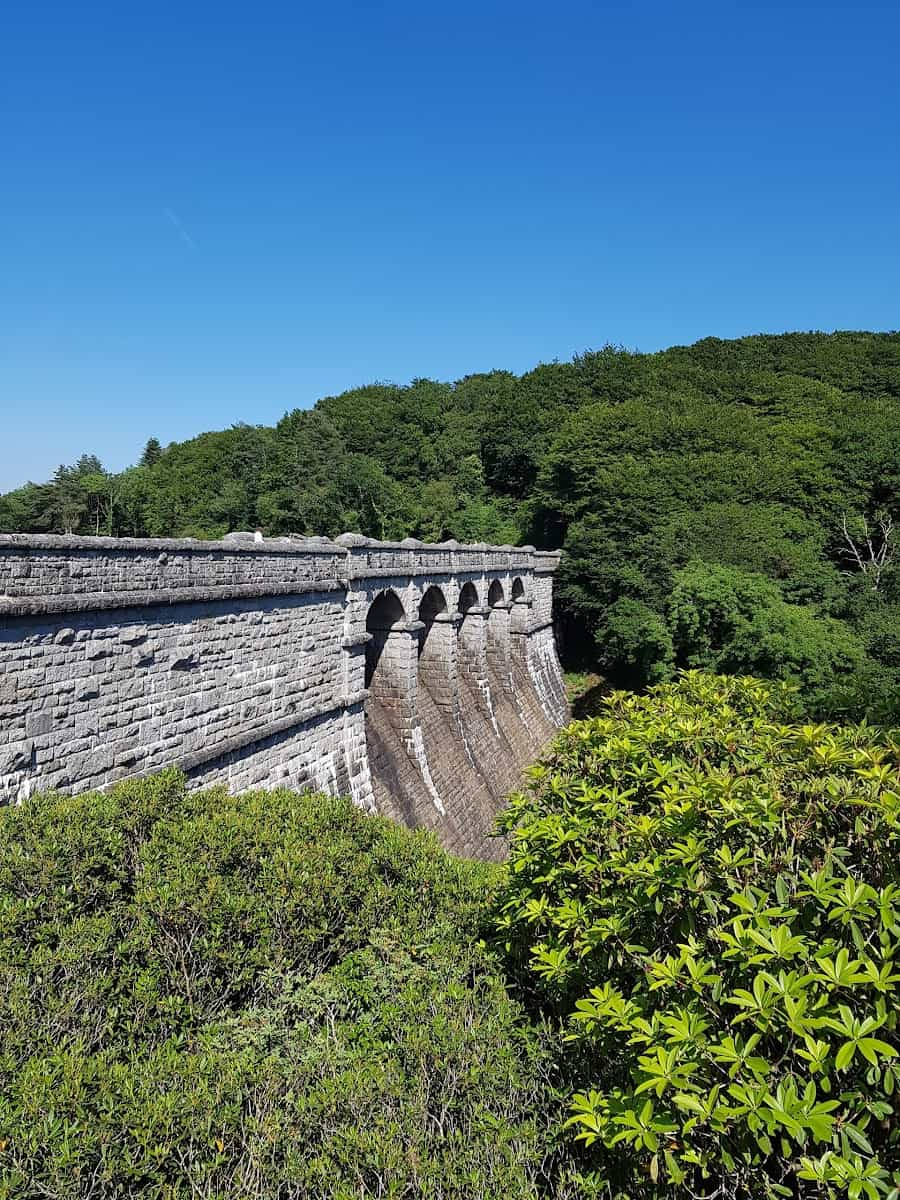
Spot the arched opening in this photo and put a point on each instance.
(498, 629)
(472, 633)
(468, 597)
(520, 612)
(386, 613)
(431, 605)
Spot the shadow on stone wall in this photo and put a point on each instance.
(453, 717)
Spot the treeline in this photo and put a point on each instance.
(728, 505)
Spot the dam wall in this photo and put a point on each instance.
(419, 679)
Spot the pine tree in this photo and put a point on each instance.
(152, 452)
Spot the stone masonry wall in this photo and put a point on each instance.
(244, 663)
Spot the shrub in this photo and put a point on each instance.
(713, 896)
(631, 632)
(725, 619)
(270, 995)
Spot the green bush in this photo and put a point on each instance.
(271, 995)
(630, 631)
(728, 620)
(713, 896)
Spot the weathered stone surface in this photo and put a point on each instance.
(262, 664)
(16, 757)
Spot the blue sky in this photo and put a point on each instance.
(217, 212)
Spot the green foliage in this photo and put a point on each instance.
(781, 543)
(746, 454)
(152, 452)
(727, 620)
(712, 893)
(271, 995)
(631, 631)
(749, 454)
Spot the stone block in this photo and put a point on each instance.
(16, 757)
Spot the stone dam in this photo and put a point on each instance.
(418, 679)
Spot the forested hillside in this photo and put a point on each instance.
(729, 505)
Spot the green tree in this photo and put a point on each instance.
(151, 453)
(26, 509)
(67, 501)
(726, 620)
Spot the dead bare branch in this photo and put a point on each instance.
(874, 550)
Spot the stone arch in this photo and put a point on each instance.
(498, 629)
(432, 604)
(521, 609)
(386, 612)
(468, 597)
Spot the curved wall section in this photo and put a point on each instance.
(420, 679)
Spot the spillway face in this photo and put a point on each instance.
(463, 690)
(419, 679)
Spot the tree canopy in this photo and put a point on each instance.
(766, 467)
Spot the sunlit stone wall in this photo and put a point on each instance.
(244, 662)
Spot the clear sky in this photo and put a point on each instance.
(217, 212)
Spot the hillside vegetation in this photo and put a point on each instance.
(683, 984)
(729, 505)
